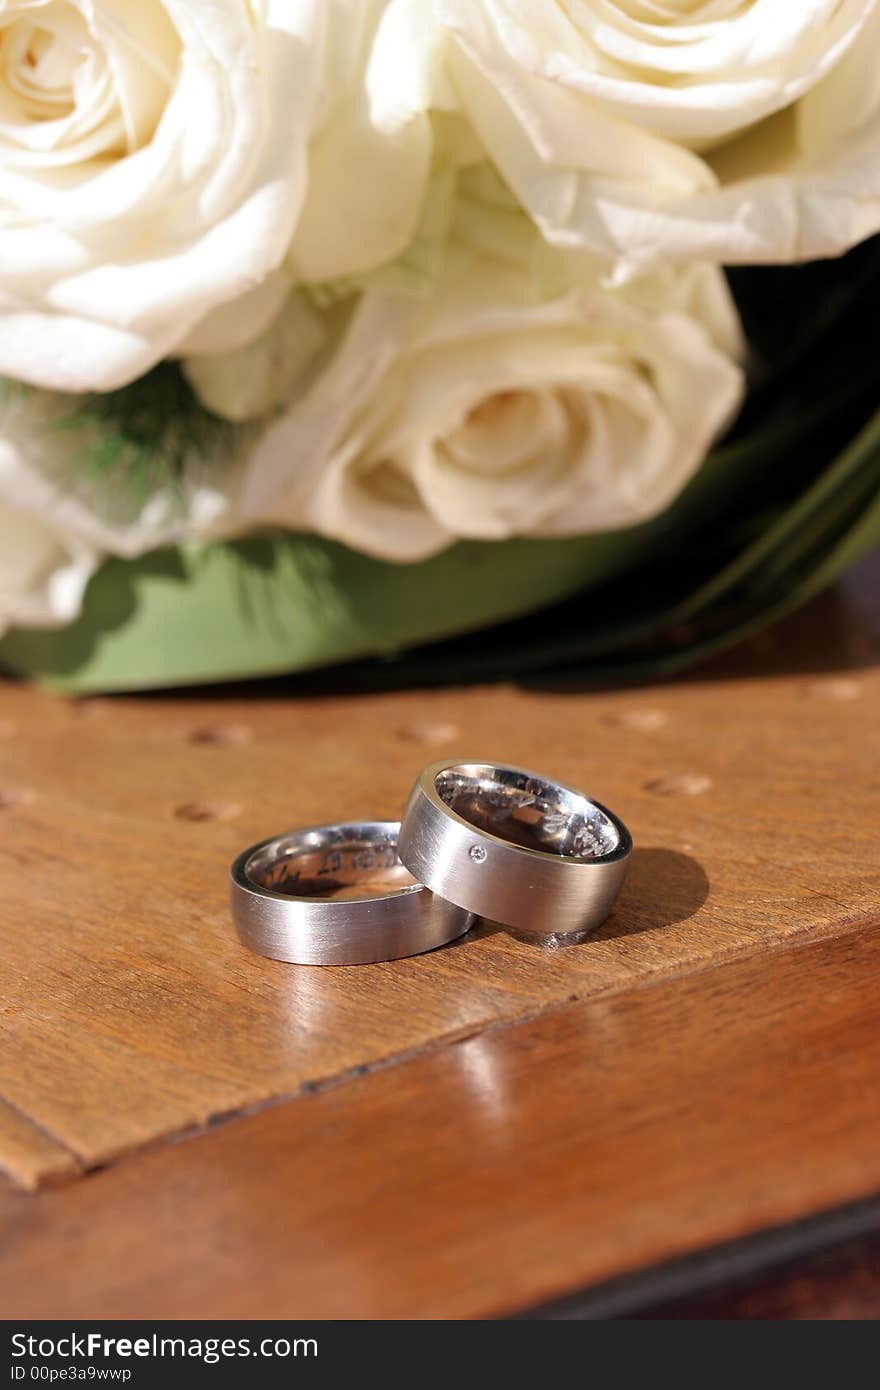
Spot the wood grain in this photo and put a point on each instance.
(130, 1012)
(497, 1173)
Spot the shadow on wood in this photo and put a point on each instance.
(663, 886)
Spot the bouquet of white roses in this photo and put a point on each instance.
(329, 328)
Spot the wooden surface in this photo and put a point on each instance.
(497, 1173)
(704, 1066)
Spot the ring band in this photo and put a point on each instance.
(511, 846)
(337, 895)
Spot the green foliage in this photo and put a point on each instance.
(141, 439)
(9, 390)
(126, 445)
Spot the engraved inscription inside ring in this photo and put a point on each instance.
(527, 811)
(345, 868)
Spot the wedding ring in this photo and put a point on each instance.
(337, 895)
(514, 847)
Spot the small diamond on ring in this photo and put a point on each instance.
(478, 854)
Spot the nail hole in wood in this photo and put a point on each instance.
(836, 688)
(645, 721)
(95, 707)
(223, 735)
(207, 810)
(680, 784)
(12, 797)
(430, 732)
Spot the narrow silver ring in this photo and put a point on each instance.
(337, 895)
(515, 847)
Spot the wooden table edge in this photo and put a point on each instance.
(653, 1169)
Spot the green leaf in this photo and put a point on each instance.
(139, 440)
(790, 311)
(289, 602)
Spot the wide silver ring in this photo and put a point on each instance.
(515, 847)
(337, 895)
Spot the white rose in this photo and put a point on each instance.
(737, 132)
(492, 410)
(44, 568)
(371, 154)
(43, 573)
(154, 165)
(370, 160)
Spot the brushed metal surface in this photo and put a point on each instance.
(514, 847)
(337, 895)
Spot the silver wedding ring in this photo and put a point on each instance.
(477, 840)
(337, 895)
(509, 845)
